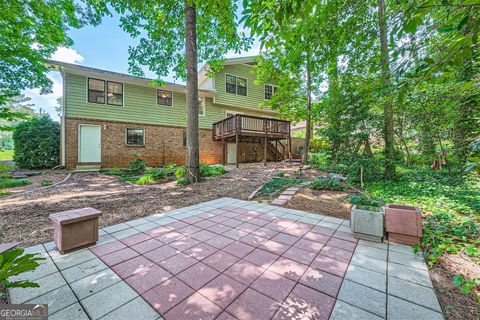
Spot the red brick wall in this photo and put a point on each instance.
(163, 144)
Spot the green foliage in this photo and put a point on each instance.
(13, 263)
(277, 185)
(12, 183)
(137, 165)
(366, 201)
(325, 183)
(30, 32)
(447, 233)
(182, 182)
(156, 173)
(205, 171)
(37, 143)
(441, 192)
(6, 154)
(113, 172)
(145, 179)
(46, 182)
(467, 286)
(280, 174)
(169, 169)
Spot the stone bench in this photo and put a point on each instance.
(75, 228)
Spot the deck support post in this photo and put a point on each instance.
(265, 151)
(224, 146)
(276, 151)
(290, 148)
(237, 149)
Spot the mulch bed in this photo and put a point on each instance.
(25, 217)
(53, 175)
(327, 202)
(456, 305)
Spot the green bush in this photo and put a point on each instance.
(46, 182)
(137, 165)
(366, 201)
(37, 143)
(15, 262)
(169, 169)
(156, 173)
(145, 179)
(11, 183)
(325, 183)
(211, 170)
(180, 172)
(113, 172)
(280, 174)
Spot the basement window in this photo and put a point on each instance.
(135, 137)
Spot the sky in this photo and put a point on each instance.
(104, 47)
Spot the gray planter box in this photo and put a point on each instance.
(367, 223)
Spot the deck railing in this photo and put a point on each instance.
(251, 126)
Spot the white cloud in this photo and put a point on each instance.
(68, 55)
(48, 102)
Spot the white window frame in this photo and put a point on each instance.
(156, 98)
(202, 105)
(106, 81)
(134, 145)
(265, 90)
(236, 86)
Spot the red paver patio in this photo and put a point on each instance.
(233, 263)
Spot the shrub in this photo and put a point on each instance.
(113, 172)
(280, 174)
(156, 173)
(146, 179)
(46, 182)
(365, 201)
(11, 183)
(169, 169)
(180, 172)
(37, 143)
(15, 262)
(325, 183)
(211, 170)
(137, 165)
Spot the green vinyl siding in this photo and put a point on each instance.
(140, 106)
(255, 93)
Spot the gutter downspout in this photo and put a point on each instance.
(62, 119)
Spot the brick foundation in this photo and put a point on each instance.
(163, 144)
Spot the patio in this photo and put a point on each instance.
(232, 259)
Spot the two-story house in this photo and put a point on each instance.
(108, 116)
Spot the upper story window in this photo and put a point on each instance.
(135, 137)
(114, 93)
(269, 91)
(164, 97)
(98, 89)
(236, 85)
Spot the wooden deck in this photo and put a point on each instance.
(240, 128)
(251, 126)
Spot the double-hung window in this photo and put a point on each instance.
(236, 85)
(164, 97)
(269, 91)
(99, 89)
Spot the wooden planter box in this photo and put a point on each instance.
(403, 224)
(75, 228)
(367, 223)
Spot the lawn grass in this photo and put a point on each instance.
(6, 154)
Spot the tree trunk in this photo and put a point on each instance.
(388, 109)
(192, 154)
(309, 116)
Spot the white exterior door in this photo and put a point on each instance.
(89, 143)
(231, 153)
